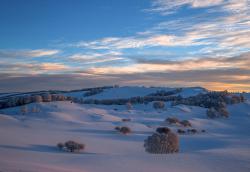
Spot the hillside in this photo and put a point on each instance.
(28, 139)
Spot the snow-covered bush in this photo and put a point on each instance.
(223, 112)
(58, 97)
(180, 131)
(60, 145)
(11, 102)
(71, 146)
(192, 131)
(162, 143)
(37, 98)
(125, 130)
(214, 99)
(212, 113)
(220, 112)
(24, 110)
(27, 100)
(129, 106)
(159, 105)
(35, 109)
(47, 97)
(242, 98)
(163, 130)
(126, 120)
(185, 123)
(161, 93)
(172, 120)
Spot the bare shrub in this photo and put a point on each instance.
(125, 130)
(71, 146)
(35, 109)
(37, 98)
(242, 98)
(223, 112)
(159, 105)
(24, 110)
(60, 145)
(163, 130)
(47, 97)
(58, 97)
(180, 131)
(192, 131)
(220, 112)
(27, 100)
(162, 143)
(212, 113)
(126, 120)
(172, 120)
(185, 123)
(12, 102)
(129, 106)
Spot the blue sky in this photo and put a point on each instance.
(133, 42)
(47, 21)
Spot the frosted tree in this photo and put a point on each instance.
(159, 105)
(47, 97)
(162, 143)
(37, 98)
(35, 109)
(129, 106)
(24, 110)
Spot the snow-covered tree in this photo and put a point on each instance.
(159, 105)
(129, 106)
(24, 110)
(162, 143)
(37, 98)
(47, 97)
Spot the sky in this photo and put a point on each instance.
(63, 44)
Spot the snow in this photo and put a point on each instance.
(125, 92)
(192, 91)
(28, 142)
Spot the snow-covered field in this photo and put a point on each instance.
(28, 142)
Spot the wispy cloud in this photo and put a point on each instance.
(158, 40)
(166, 7)
(94, 58)
(27, 53)
(33, 68)
(144, 66)
(212, 79)
(223, 29)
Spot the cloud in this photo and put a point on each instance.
(53, 67)
(213, 73)
(223, 30)
(220, 79)
(93, 58)
(166, 7)
(120, 43)
(33, 68)
(144, 66)
(27, 53)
